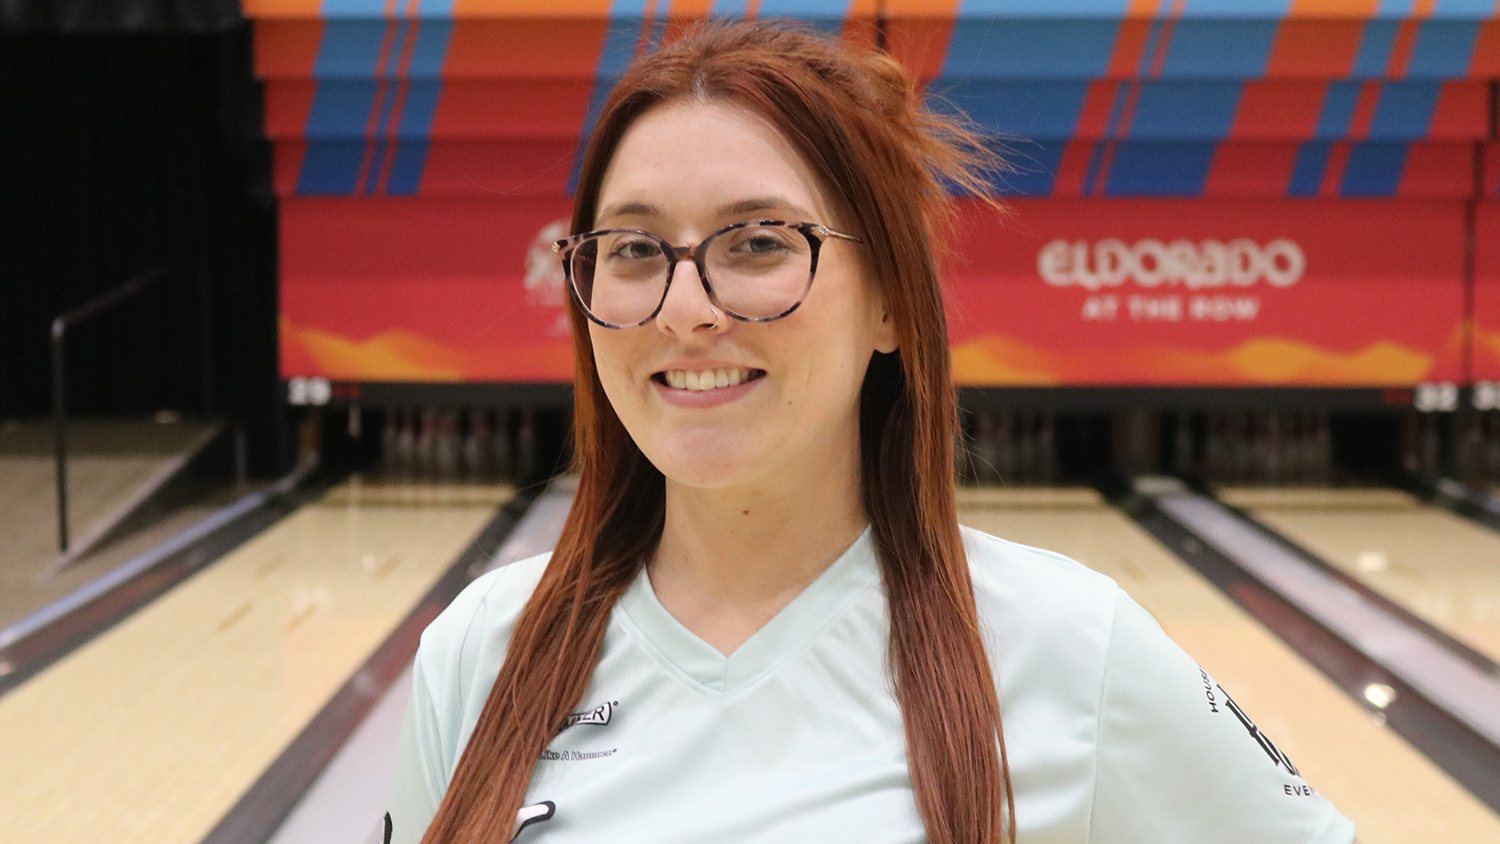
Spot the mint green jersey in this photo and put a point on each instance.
(1113, 733)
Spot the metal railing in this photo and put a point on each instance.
(60, 326)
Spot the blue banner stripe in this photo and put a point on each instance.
(1185, 110)
(421, 107)
(1236, 8)
(1338, 110)
(1471, 9)
(350, 48)
(1160, 169)
(1035, 168)
(406, 169)
(1219, 48)
(330, 167)
(1374, 169)
(1405, 110)
(1307, 172)
(1375, 48)
(1096, 164)
(431, 50)
(341, 108)
(1044, 8)
(1035, 110)
(812, 9)
(1444, 48)
(1153, 43)
(1031, 48)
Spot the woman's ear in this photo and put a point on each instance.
(885, 332)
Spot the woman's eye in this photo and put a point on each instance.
(636, 250)
(760, 244)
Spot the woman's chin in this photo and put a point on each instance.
(709, 465)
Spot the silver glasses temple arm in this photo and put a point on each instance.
(824, 231)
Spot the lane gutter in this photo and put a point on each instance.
(1479, 660)
(1442, 702)
(1458, 498)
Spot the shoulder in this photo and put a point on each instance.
(469, 637)
(1047, 622)
(1018, 585)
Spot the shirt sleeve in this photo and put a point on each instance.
(1179, 761)
(420, 778)
(448, 662)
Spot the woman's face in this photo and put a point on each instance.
(681, 172)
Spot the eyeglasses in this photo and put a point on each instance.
(756, 271)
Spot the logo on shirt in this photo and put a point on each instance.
(598, 716)
(1278, 758)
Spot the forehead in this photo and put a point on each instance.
(690, 160)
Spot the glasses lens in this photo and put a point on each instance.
(759, 271)
(620, 276)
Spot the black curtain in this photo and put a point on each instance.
(119, 153)
(111, 16)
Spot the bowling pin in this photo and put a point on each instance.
(1471, 451)
(1182, 445)
(389, 433)
(1431, 445)
(476, 445)
(427, 443)
(1275, 457)
(963, 449)
(1493, 447)
(502, 462)
(406, 443)
(1025, 448)
(1215, 448)
(447, 449)
(1046, 445)
(1322, 451)
(1005, 447)
(987, 451)
(526, 456)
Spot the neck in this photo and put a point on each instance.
(729, 560)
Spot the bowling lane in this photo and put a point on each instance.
(1393, 793)
(1438, 566)
(151, 732)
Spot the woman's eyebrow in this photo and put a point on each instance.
(631, 209)
(738, 208)
(762, 203)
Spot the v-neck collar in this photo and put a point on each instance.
(785, 635)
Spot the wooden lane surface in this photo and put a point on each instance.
(152, 731)
(1393, 793)
(1438, 566)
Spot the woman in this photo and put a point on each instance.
(763, 622)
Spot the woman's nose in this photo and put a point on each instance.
(687, 307)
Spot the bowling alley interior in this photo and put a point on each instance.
(286, 362)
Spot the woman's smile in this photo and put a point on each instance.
(706, 387)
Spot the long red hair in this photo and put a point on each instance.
(887, 164)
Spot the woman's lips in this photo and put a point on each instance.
(700, 388)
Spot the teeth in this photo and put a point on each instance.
(706, 379)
